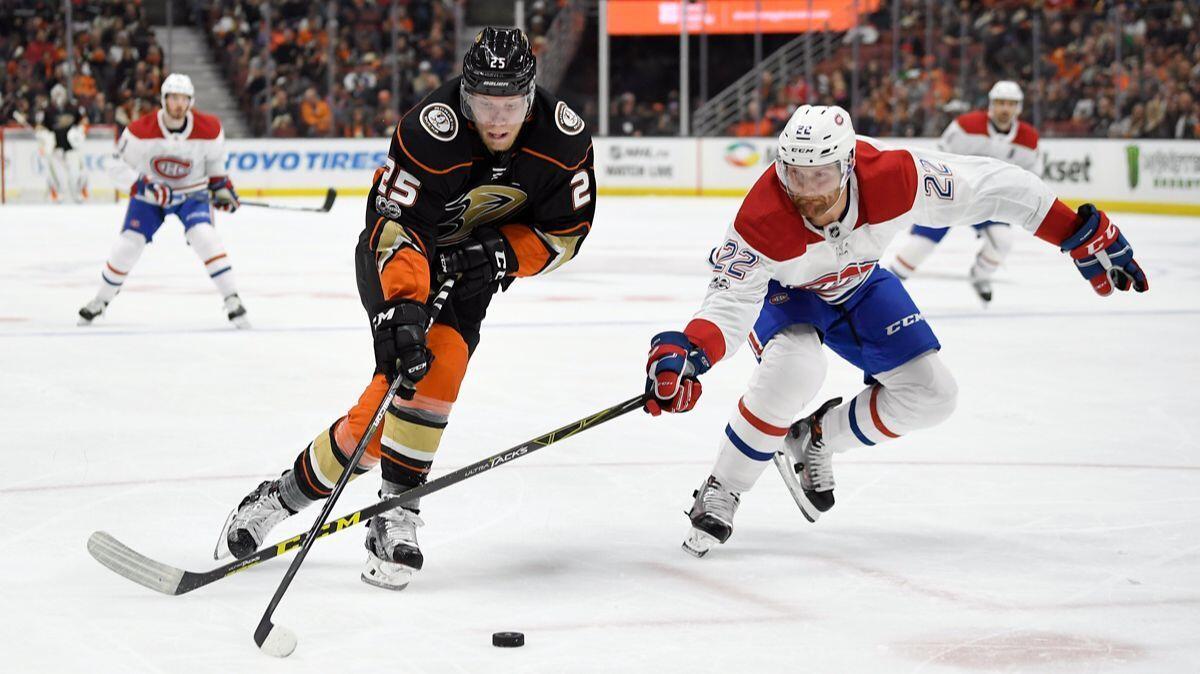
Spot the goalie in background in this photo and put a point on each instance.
(60, 137)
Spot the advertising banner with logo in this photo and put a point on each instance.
(638, 165)
(1151, 176)
(301, 167)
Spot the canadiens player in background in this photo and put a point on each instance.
(489, 179)
(799, 268)
(175, 158)
(995, 133)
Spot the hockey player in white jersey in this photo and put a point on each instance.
(996, 132)
(175, 158)
(799, 268)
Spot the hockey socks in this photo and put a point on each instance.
(124, 255)
(207, 245)
(746, 449)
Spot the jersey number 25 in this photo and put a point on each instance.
(401, 187)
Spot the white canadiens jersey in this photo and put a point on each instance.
(889, 191)
(183, 160)
(974, 134)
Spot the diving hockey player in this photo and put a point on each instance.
(488, 178)
(799, 265)
(994, 133)
(175, 158)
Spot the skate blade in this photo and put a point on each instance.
(698, 543)
(792, 481)
(241, 323)
(387, 575)
(84, 322)
(221, 550)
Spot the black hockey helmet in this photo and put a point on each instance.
(499, 63)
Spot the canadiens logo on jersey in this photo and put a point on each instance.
(484, 205)
(171, 168)
(831, 287)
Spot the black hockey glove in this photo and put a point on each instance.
(399, 332)
(481, 261)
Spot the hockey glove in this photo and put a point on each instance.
(399, 332)
(671, 371)
(224, 196)
(1102, 255)
(481, 261)
(155, 194)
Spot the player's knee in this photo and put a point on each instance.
(922, 390)
(792, 370)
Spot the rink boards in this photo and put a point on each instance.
(1147, 176)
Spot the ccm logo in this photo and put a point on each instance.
(904, 323)
(171, 167)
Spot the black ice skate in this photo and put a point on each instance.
(981, 286)
(251, 521)
(91, 311)
(806, 465)
(236, 312)
(712, 517)
(392, 544)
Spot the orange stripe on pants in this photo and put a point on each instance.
(439, 386)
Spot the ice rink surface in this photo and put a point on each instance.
(1051, 525)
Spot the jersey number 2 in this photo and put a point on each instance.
(581, 195)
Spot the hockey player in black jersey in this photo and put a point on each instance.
(489, 179)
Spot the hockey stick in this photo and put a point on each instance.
(329, 198)
(170, 580)
(280, 641)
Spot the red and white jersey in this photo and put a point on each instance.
(974, 134)
(889, 191)
(183, 159)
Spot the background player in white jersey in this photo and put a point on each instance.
(994, 133)
(799, 265)
(175, 157)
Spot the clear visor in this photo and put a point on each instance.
(496, 110)
(811, 181)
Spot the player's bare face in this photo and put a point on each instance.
(1003, 113)
(815, 190)
(498, 118)
(177, 106)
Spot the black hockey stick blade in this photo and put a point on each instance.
(330, 197)
(170, 580)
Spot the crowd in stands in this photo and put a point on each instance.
(1152, 91)
(117, 62)
(385, 58)
(350, 68)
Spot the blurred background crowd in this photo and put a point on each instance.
(350, 68)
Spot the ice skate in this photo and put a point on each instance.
(711, 516)
(981, 286)
(251, 521)
(91, 311)
(394, 553)
(236, 312)
(806, 465)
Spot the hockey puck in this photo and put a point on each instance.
(508, 639)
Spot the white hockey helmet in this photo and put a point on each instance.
(816, 150)
(1007, 90)
(177, 83)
